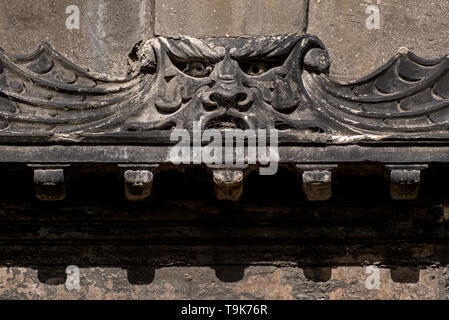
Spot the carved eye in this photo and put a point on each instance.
(255, 68)
(259, 67)
(197, 69)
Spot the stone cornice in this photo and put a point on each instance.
(54, 113)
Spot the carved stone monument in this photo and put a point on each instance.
(88, 178)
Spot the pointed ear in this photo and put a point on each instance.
(143, 56)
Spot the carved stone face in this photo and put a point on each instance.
(248, 83)
(244, 83)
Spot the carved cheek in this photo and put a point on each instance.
(169, 99)
(284, 98)
(176, 89)
(191, 86)
(269, 84)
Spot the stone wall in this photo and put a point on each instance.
(420, 26)
(109, 29)
(108, 32)
(259, 282)
(217, 18)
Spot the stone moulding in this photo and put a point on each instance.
(54, 113)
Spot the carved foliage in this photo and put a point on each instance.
(265, 82)
(44, 93)
(407, 95)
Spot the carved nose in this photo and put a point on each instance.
(228, 100)
(228, 70)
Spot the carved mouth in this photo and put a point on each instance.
(227, 122)
(236, 101)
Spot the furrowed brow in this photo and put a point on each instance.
(188, 49)
(266, 47)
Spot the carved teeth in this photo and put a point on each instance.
(405, 181)
(317, 181)
(138, 181)
(49, 184)
(228, 184)
(138, 184)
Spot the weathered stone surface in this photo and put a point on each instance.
(421, 26)
(396, 284)
(259, 282)
(108, 30)
(232, 17)
(443, 283)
